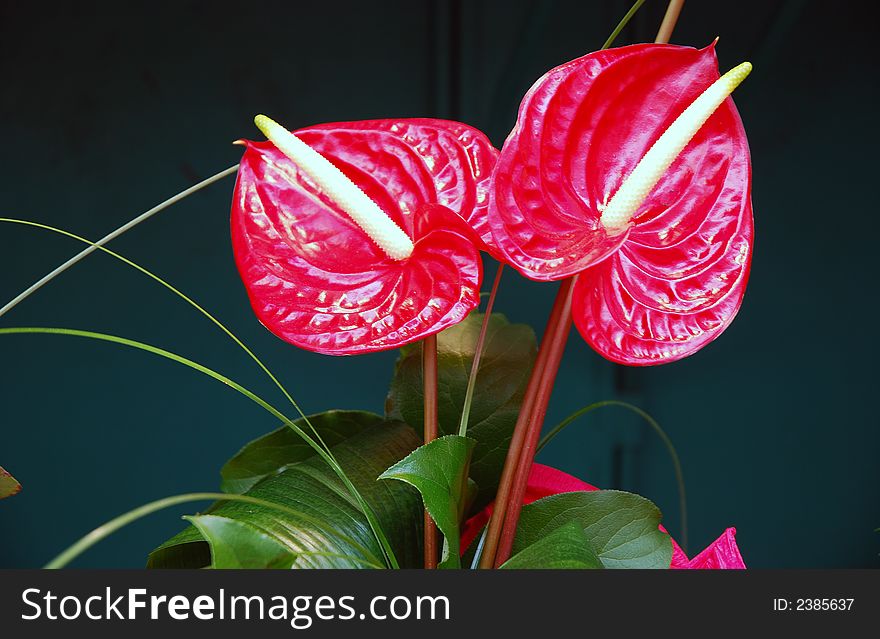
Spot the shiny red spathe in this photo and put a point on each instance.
(675, 279)
(316, 280)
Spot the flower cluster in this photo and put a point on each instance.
(628, 168)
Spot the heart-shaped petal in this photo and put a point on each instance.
(638, 311)
(316, 279)
(679, 278)
(581, 130)
(675, 279)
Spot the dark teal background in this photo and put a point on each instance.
(108, 109)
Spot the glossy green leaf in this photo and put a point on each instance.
(439, 471)
(565, 547)
(9, 486)
(235, 544)
(621, 527)
(322, 524)
(507, 360)
(272, 453)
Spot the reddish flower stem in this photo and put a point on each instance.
(429, 381)
(553, 345)
(478, 354)
(519, 438)
(669, 20)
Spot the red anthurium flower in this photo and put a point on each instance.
(375, 248)
(630, 167)
(545, 481)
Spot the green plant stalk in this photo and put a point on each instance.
(107, 529)
(168, 286)
(186, 299)
(328, 458)
(33, 288)
(673, 454)
(622, 24)
(478, 355)
(478, 553)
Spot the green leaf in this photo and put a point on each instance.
(565, 547)
(9, 486)
(439, 471)
(508, 356)
(621, 527)
(235, 544)
(320, 522)
(272, 453)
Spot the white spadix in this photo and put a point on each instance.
(638, 185)
(387, 235)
